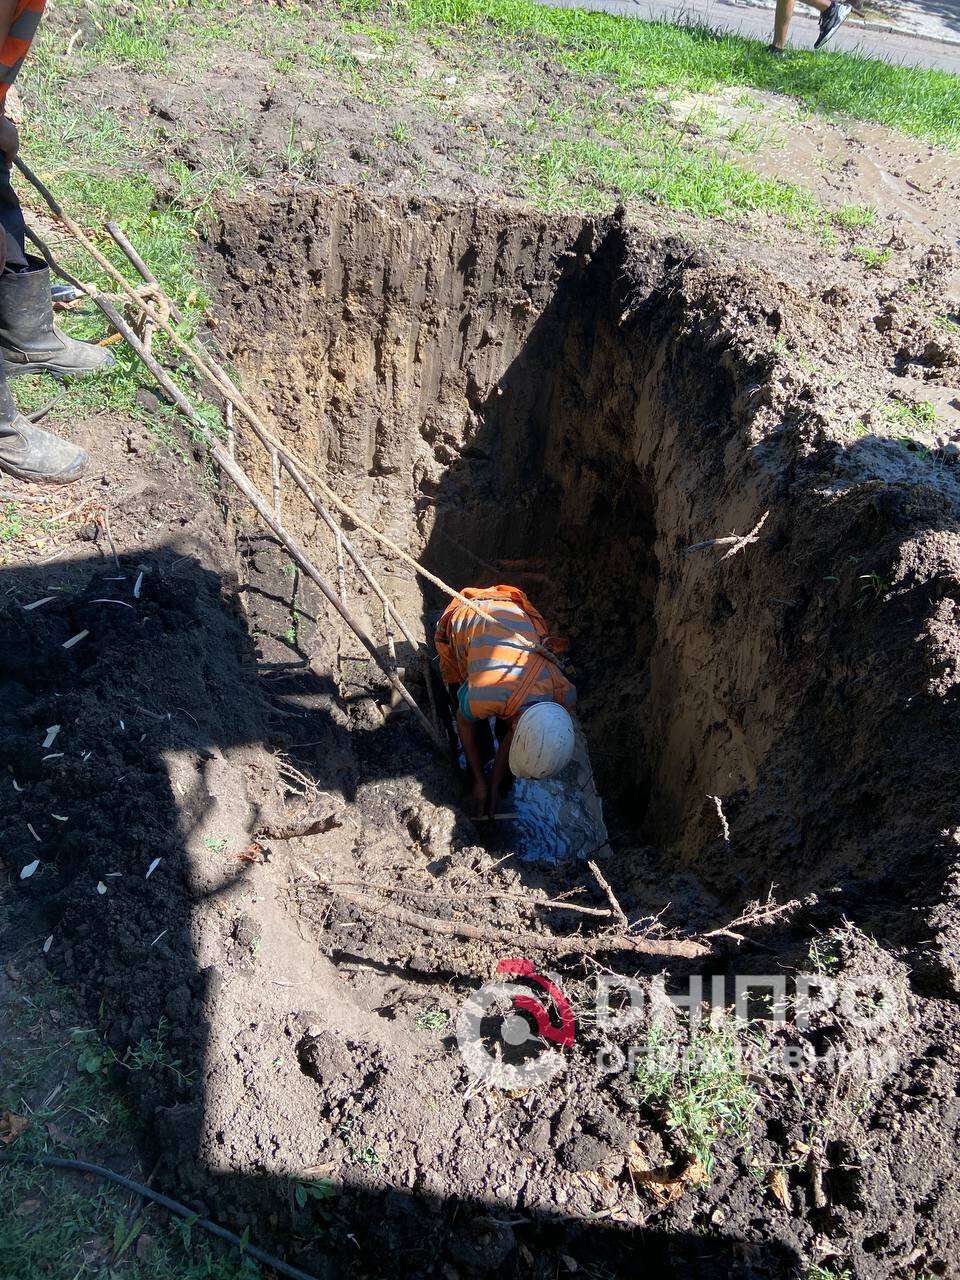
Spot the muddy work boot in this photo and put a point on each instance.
(29, 340)
(30, 453)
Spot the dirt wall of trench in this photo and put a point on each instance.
(571, 405)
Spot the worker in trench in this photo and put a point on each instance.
(501, 670)
(29, 340)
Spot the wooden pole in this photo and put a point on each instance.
(232, 469)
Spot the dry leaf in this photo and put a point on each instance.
(779, 1188)
(11, 1127)
(668, 1182)
(58, 1136)
(29, 869)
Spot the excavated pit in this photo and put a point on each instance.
(569, 405)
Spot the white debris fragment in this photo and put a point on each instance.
(101, 887)
(123, 726)
(29, 869)
(85, 757)
(107, 600)
(59, 817)
(33, 831)
(37, 603)
(137, 585)
(54, 755)
(152, 868)
(48, 944)
(81, 635)
(49, 740)
(16, 785)
(158, 937)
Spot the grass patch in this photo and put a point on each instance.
(921, 416)
(701, 1088)
(60, 1226)
(586, 148)
(691, 179)
(68, 147)
(647, 55)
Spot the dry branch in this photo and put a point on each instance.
(553, 904)
(735, 541)
(754, 913)
(618, 911)
(574, 944)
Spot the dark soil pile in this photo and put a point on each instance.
(569, 405)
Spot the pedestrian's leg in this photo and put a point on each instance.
(784, 13)
(781, 23)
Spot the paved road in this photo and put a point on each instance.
(750, 20)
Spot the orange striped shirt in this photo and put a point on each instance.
(494, 660)
(26, 19)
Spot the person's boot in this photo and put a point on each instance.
(29, 340)
(29, 453)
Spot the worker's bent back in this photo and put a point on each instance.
(494, 658)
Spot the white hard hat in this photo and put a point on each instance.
(542, 741)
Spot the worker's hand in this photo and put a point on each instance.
(478, 798)
(9, 140)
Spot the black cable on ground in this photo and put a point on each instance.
(174, 1206)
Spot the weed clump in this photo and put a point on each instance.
(700, 1088)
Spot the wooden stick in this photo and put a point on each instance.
(618, 911)
(575, 944)
(275, 481)
(231, 434)
(388, 631)
(259, 504)
(555, 904)
(735, 541)
(341, 575)
(224, 385)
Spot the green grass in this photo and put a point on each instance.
(639, 55)
(92, 160)
(921, 416)
(701, 1088)
(58, 1225)
(586, 150)
(692, 179)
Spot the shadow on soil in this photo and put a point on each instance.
(162, 687)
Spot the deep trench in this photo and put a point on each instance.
(567, 405)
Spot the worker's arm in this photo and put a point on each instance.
(501, 763)
(471, 749)
(8, 9)
(19, 20)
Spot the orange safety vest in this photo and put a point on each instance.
(495, 659)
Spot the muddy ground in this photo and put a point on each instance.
(568, 403)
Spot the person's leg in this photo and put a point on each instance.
(29, 340)
(27, 452)
(783, 15)
(11, 219)
(781, 23)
